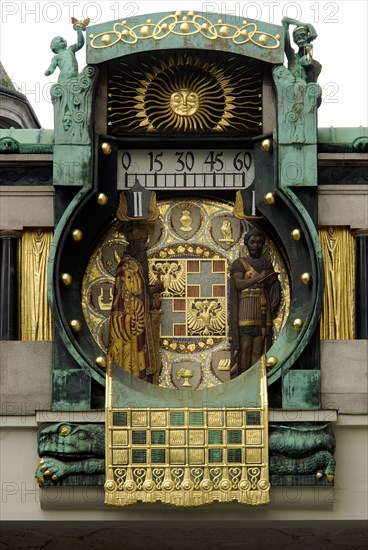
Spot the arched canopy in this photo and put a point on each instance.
(189, 30)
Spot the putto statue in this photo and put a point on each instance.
(300, 63)
(65, 57)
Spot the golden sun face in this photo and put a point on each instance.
(181, 93)
(184, 102)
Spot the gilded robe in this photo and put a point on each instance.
(130, 341)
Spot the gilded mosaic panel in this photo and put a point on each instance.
(186, 462)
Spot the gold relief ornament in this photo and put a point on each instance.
(186, 221)
(221, 364)
(172, 273)
(185, 25)
(226, 232)
(184, 102)
(186, 374)
(206, 317)
(103, 304)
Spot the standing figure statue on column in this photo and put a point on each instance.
(255, 297)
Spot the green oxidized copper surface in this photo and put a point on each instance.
(74, 453)
(185, 30)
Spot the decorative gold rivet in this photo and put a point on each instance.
(75, 325)
(244, 32)
(125, 32)
(106, 148)
(54, 477)
(178, 13)
(266, 145)
(185, 27)
(277, 36)
(101, 362)
(263, 39)
(164, 26)
(204, 26)
(91, 36)
(185, 18)
(106, 39)
(297, 324)
(149, 21)
(296, 234)
(306, 278)
(102, 199)
(145, 30)
(224, 31)
(123, 22)
(220, 21)
(269, 198)
(330, 477)
(66, 279)
(271, 362)
(190, 13)
(245, 22)
(77, 235)
(319, 475)
(64, 430)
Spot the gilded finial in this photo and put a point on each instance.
(82, 23)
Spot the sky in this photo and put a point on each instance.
(27, 28)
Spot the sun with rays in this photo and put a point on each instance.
(181, 93)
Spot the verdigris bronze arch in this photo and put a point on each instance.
(190, 30)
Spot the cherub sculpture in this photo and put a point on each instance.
(65, 56)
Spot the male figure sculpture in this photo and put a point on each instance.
(300, 63)
(255, 297)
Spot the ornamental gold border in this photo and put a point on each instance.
(187, 483)
(185, 25)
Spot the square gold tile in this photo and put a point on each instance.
(120, 437)
(234, 418)
(159, 418)
(177, 437)
(253, 437)
(196, 456)
(215, 418)
(196, 437)
(177, 456)
(139, 418)
(254, 456)
(120, 456)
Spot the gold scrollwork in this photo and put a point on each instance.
(185, 25)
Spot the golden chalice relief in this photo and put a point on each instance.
(181, 93)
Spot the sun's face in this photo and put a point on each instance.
(184, 102)
(181, 93)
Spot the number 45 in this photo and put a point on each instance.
(214, 161)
